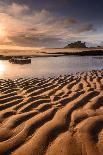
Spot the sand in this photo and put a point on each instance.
(52, 116)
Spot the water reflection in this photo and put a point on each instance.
(2, 68)
(49, 66)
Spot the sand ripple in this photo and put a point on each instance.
(53, 116)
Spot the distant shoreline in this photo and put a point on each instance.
(53, 52)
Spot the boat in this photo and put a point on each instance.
(18, 60)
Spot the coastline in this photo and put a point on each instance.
(51, 52)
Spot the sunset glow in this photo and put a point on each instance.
(2, 68)
(2, 32)
(40, 23)
(51, 77)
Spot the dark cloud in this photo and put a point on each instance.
(101, 44)
(49, 22)
(86, 28)
(70, 21)
(32, 29)
(36, 41)
(82, 9)
(52, 5)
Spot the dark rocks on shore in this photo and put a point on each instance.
(20, 60)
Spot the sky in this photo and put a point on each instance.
(50, 23)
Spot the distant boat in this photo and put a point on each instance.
(16, 60)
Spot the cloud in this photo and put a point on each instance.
(86, 28)
(36, 41)
(17, 9)
(13, 8)
(28, 27)
(101, 43)
(35, 26)
(70, 21)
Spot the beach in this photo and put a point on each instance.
(51, 77)
(61, 115)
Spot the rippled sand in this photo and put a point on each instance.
(53, 116)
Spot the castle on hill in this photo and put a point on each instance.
(77, 44)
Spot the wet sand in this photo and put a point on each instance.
(52, 116)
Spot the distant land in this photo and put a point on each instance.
(77, 44)
(77, 48)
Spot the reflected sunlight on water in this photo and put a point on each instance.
(2, 68)
(49, 66)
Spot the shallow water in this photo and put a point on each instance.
(50, 66)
